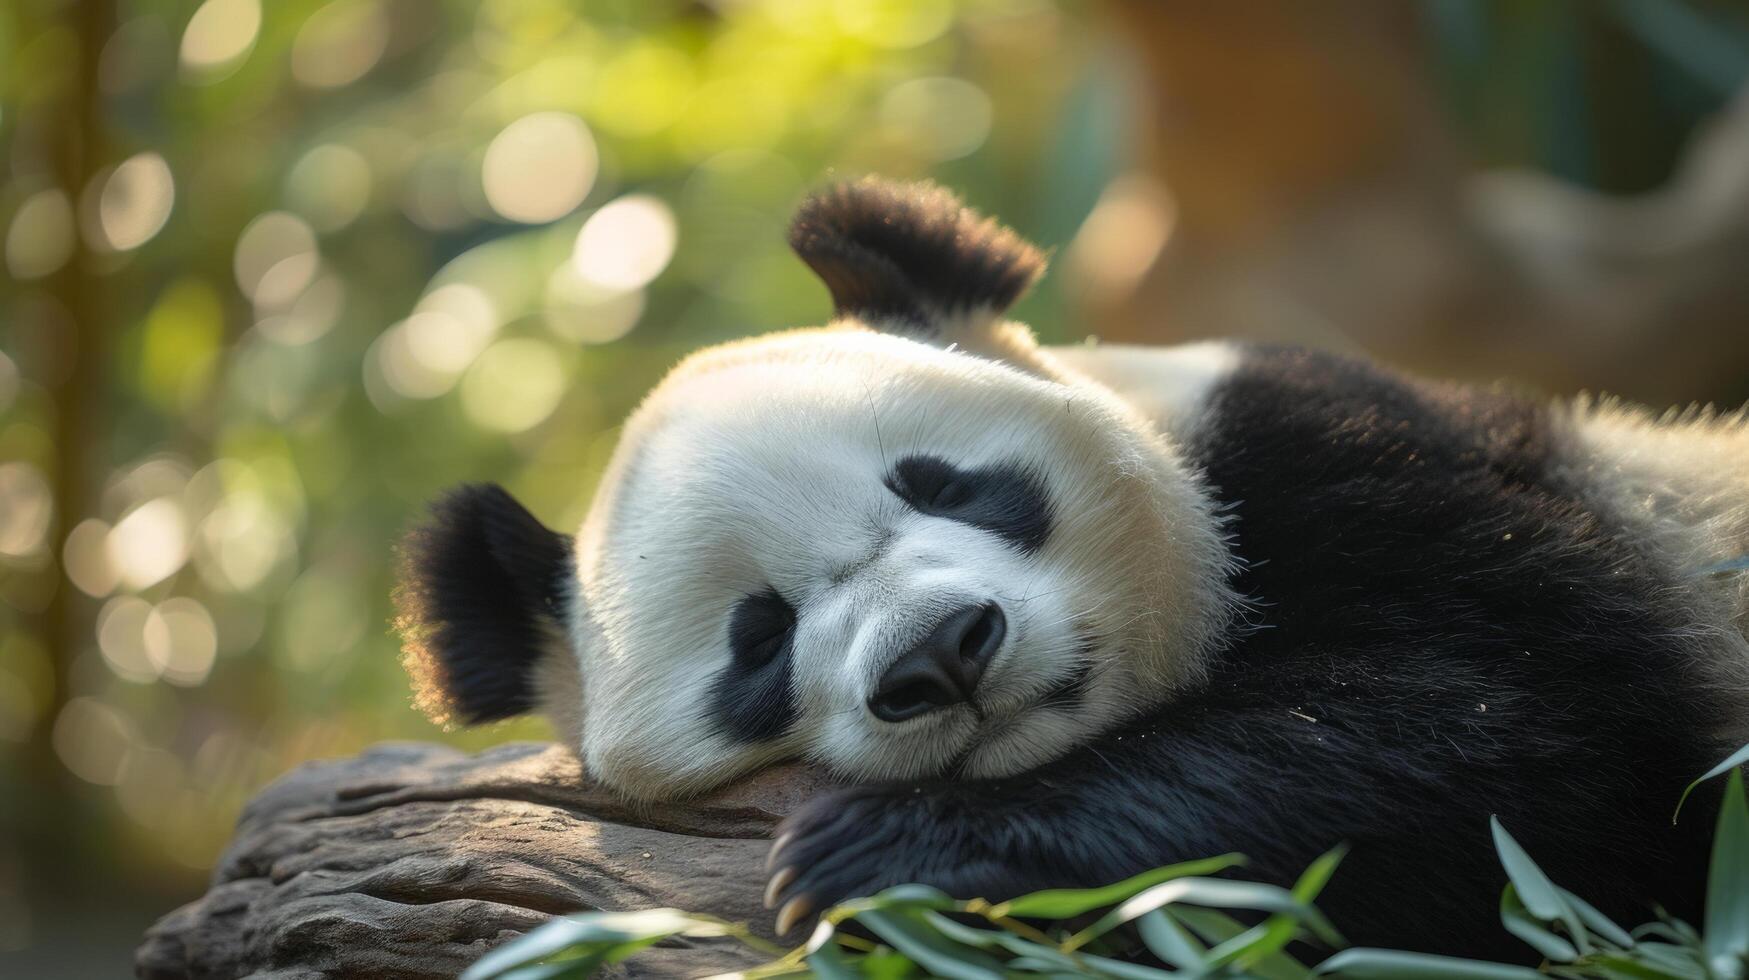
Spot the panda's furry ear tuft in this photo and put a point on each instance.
(481, 599)
(910, 255)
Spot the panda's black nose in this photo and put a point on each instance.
(944, 667)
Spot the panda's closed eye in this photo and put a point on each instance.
(1006, 499)
(760, 628)
(753, 698)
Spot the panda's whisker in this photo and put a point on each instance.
(875, 414)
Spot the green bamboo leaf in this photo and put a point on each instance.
(1034, 964)
(1385, 964)
(601, 930)
(1737, 759)
(1674, 930)
(1214, 892)
(900, 897)
(928, 949)
(1256, 945)
(1538, 894)
(827, 961)
(1726, 937)
(981, 938)
(1599, 924)
(1682, 962)
(1221, 929)
(886, 964)
(575, 969)
(1065, 903)
(1103, 967)
(1520, 923)
(1624, 965)
(1318, 874)
(1169, 940)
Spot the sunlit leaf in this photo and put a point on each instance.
(1063, 903)
(610, 932)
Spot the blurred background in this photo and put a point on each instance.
(276, 272)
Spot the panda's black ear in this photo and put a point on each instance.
(481, 599)
(911, 257)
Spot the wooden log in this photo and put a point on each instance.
(411, 860)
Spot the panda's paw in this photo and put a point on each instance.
(849, 844)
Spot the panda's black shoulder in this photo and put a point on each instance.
(1285, 413)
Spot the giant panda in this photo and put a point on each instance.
(1057, 615)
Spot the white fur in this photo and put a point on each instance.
(1169, 385)
(1681, 480)
(761, 464)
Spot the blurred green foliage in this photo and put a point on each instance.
(278, 272)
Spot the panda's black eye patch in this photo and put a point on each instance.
(752, 699)
(760, 628)
(1005, 499)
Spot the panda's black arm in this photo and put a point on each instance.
(1278, 788)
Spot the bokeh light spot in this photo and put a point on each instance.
(946, 118)
(85, 557)
(26, 510)
(149, 544)
(330, 186)
(894, 23)
(40, 239)
(339, 43)
(243, 540)
(539, 168)
(275, 258)
(310, 316)
(583, 312)
(513, 386)
(94, 740)
(135, 201)
(181, 640)
(121, 639)
(218, 37)
(626, 244)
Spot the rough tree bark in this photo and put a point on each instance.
(412, 860)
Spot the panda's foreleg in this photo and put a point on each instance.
(1279, 792)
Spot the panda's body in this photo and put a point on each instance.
(1066, 614)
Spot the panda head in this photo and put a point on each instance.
(906, 544)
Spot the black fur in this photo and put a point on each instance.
(910, 252)
(753, 698)
(481, 597)
(1006, 499)
(1446, 632)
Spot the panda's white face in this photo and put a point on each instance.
(892, 559)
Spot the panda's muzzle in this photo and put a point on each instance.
(942, 669)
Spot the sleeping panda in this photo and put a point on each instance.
(1058, 615)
